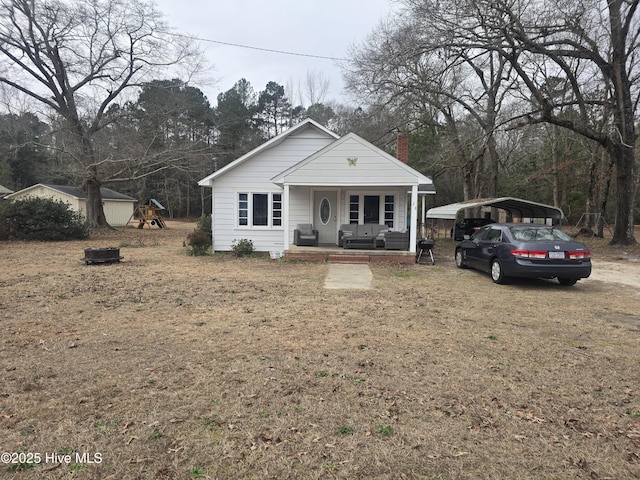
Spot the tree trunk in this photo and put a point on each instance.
(554, 166)
(623, 158)
(621, 148)
(494, 157)
(91, 184)
(94, 210)
(592, 190)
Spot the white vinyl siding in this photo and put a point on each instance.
(254, 176)
(371, 167)
(117, 213)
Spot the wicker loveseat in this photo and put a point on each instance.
(370, 232)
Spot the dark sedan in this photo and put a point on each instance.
(524, 250)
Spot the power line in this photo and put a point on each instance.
(250, 47)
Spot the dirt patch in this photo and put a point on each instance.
(625, 273)
(170, 366)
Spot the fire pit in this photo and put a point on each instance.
(101, 255)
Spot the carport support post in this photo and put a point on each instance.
(414, 219)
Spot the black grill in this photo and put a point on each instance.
(425, 248)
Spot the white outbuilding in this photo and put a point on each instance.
(118, 207)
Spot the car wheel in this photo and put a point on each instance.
(496, 272)
(567, 282)
(460, 259)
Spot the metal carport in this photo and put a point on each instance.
(516, 207)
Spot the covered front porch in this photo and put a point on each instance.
(352, 183)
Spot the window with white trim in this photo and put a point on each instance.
(372, 209)
(243, 209)
(276, 209)
(389, 209)
(259, 209)
(354, 208)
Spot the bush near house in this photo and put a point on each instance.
(243, 247)
(41, 219)
(200, 239)
(204, 224)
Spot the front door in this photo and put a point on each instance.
(325, 216)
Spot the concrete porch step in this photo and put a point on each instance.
(348, 259)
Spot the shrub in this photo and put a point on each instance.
(242, 247)
(37, 218)
(204, 224)
(4, 227)
(199, 241)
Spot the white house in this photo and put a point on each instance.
(118, 207)
(308, 174)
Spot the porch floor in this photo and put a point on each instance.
(335, 254)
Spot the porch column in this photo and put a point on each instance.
(213, 218)
(423, 219)
(413, 231)
(285, 216)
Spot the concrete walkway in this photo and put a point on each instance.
(348, 276)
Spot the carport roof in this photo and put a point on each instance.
(516, 206)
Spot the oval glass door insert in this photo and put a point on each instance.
(325, 211)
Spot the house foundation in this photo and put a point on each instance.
(340, 255)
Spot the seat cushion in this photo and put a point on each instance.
(365, 230)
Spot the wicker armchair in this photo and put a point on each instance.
(396, 241)
(305, 235)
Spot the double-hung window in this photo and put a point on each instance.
(259, 209)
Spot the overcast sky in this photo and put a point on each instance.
(311, 27)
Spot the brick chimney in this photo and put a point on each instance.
(403, 147)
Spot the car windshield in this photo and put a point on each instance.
(528, 234)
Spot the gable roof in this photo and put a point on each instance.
(351, 160)
(4, 190)
(75, 192)
(525, 208)
(308, 123)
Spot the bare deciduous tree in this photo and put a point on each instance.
(513, 49)
(592, 45)
(407, 64)
(76, 58)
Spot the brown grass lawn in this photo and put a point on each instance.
(170, 366)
